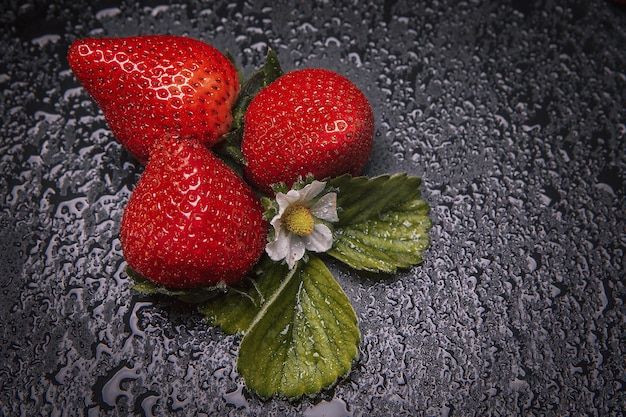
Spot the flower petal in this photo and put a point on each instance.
(320, 240)
(326, 208)
(310, 191)
(280, 247)
(276, 223)
(296, 251)
(285, 200)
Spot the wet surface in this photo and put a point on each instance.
(512, 112)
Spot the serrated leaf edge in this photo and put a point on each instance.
(339, 228)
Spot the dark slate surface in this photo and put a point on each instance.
(514, 115)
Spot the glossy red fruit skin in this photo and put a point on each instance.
(148, 86)
(307, 121)
(191, 221)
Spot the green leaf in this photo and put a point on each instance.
(192, 296)
(383, 222)
(235, 310)
(305, 337)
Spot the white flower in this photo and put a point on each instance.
(297, 227)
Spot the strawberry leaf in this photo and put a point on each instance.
(236, 309)
(383, 222)
(305, 337)
(192, 296)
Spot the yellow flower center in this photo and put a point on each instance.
(299, 220)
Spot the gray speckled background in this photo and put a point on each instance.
(513, 114)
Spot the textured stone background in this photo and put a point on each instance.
(512, 112)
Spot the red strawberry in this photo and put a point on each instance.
(307, 121)
(191, 221)
(148, 86)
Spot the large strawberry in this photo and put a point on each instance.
(307, 121)
(148, 86)
(191, 220)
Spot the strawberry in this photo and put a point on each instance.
(148, 86)
(307, 121)
(191, 221)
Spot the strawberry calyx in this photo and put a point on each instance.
(230, 144)
(195, 295)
